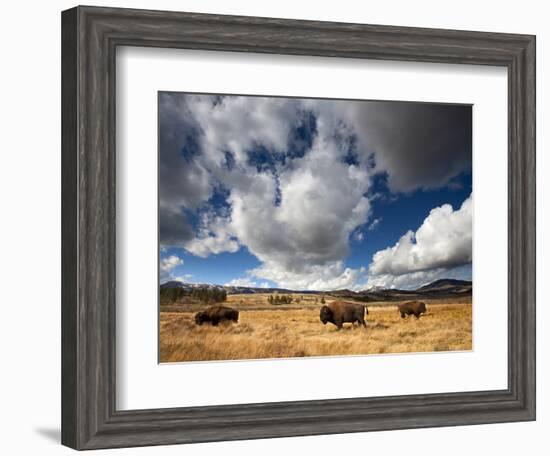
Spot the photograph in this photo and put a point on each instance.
(295, 227)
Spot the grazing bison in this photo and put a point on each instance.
(339, 312)
(215, 314)
(411, 308)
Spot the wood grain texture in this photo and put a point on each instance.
(89, 39)
(69, 228)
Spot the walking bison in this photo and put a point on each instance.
(415, 308)
(215, 314)
(340, 312)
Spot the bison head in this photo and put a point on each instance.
(200, 318)
(422, 307)
(326, 314)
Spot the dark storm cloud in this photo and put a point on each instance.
(174, 230)
(183, 181)
(419, 145)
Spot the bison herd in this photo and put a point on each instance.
(337, 313)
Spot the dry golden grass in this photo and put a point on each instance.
(292, 331)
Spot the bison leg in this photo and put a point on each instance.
(402, 315)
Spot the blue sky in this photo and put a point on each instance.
(313, 194)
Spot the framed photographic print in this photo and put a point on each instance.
(268, 224)
(289, 195)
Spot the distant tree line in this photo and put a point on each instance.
(279, 299)
(205, 294)
(171, 295)
(201, 294)
(369, 299)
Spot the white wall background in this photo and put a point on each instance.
(30, 234)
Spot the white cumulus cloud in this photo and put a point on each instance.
(443, 242)
(214, 236)
(331, 276)
(167, 265)
(242, 282)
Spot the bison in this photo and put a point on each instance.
(339, 312)
(215, 314)
(415, 308)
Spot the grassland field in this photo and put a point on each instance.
(294, 330)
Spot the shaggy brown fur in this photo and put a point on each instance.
(415, 308)
(340, 312)
(215, 314)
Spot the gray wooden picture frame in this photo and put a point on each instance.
(90, 36)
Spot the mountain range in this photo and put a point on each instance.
(442, 288)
